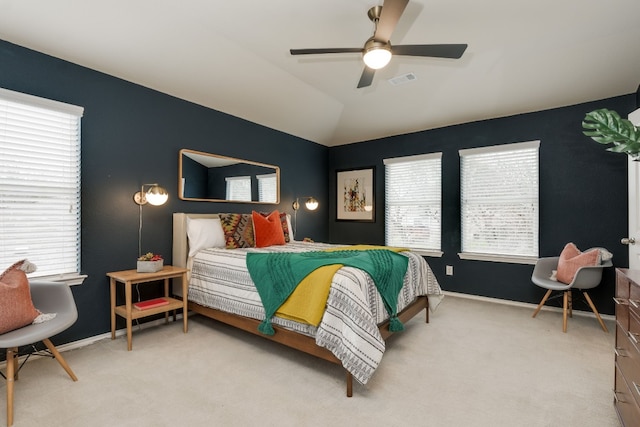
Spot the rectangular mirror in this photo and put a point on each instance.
(206, 177)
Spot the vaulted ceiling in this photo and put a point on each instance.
(233, 56)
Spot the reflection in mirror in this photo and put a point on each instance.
(213, 178)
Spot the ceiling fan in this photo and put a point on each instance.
(377, 50)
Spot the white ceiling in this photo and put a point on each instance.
(233, 56)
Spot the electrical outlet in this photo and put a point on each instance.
(449, 270)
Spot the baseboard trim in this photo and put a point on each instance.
(526, 305)
(94, 339)
(120, 332)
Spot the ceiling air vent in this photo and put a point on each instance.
(400, 80)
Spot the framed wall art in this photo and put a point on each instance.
(355, 195)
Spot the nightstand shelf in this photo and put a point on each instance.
(174, 304)
(129, 312)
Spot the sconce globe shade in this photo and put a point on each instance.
(157, 195)
(311, 204)
(376, 54)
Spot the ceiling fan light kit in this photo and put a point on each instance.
(377, 50)
(376, 54)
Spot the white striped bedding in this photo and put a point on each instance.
(220, 280)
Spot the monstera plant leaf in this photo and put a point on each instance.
(607, 127)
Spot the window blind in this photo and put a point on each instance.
(499, 199)
(40, 183)
(239, 188)
(413, 193)
(267, 188)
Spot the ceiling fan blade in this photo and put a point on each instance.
(326, 50)
(453, 51)
(389, 17)
(366, 78)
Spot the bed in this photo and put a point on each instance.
(354, 325)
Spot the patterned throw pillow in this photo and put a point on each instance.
(285, 225)
(238, 230)
(571, 260)
(16, 307)
(267, 230)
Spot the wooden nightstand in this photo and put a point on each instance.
(129, 312)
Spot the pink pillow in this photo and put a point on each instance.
(16, 307)
(571, 259)
(267, 230)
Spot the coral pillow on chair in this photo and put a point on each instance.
(16, 307)
(571, 259)
(268, 230)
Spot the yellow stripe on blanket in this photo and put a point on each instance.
(307, 302)
(366, 247)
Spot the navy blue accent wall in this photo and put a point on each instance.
(583, 195)
(132, 135)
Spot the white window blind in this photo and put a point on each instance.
(499, 200)
(413, 193)
(40, 184)
(268, 188)
(239, 188)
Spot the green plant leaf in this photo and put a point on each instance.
(607, 127)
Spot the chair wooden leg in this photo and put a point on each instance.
(59, 358)
(544, 299)
(593, 308)
(11, 374)
(565, 302)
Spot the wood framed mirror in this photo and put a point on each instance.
(206, 177)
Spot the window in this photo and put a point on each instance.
(239, 188)
(40, 185)
(413, 194)
(268, 188)
(499, 202)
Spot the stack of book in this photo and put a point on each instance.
(152, 303)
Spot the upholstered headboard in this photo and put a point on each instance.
(180, 253)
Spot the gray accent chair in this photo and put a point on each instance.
(48, 297)
(585, 278)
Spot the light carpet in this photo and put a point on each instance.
(476, 363)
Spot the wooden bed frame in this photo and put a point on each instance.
(284, 336)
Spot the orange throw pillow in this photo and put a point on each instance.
(16, 307)
(267, 230)
(285, 225)
(571, 259)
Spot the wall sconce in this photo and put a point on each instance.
(156, 196)
(311, 204)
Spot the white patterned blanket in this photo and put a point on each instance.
(220, 280)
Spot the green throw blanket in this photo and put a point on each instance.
(276, 275)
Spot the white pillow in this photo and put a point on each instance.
(204, 233)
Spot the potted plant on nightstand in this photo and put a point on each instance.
(150, 263)
(607, 127)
